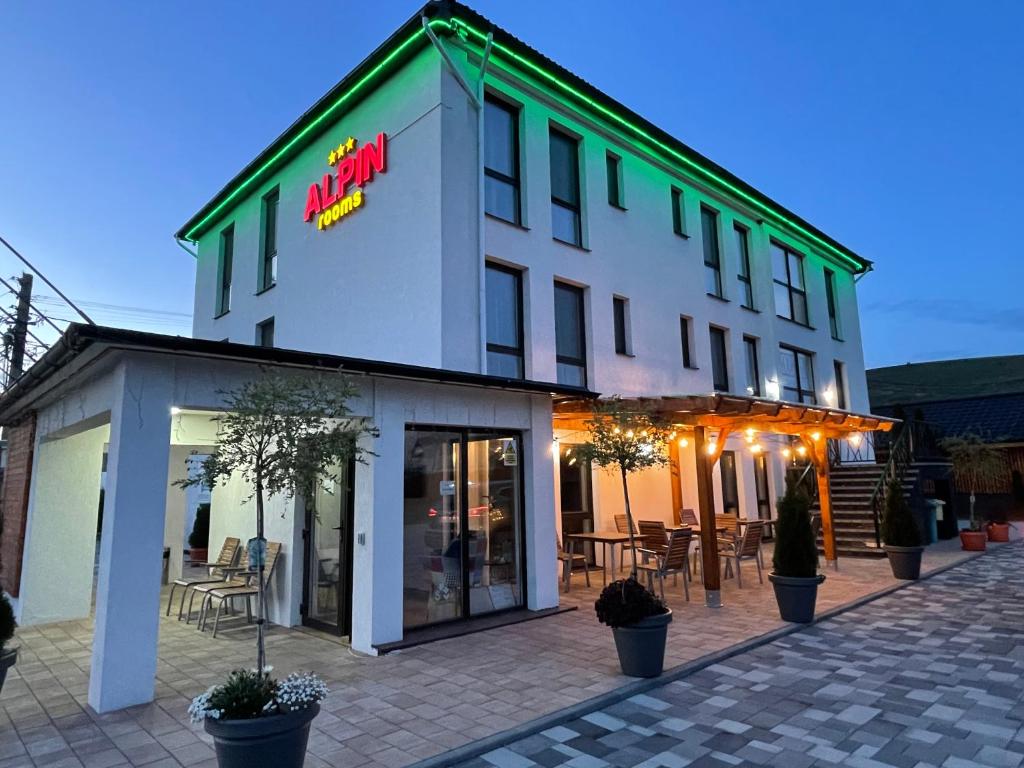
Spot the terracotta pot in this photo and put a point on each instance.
(973, 541)
(998, 531)
(197, 555)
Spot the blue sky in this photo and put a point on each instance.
(895, 127)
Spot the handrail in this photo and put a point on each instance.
(901, 455)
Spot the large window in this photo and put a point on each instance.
(712, 258)
(504, 322)
(678, 212)
(501, 160)
(565, 188)
(753, 366)
(570, 344)
(790, 292)
(268, 242)
(686, 342)
(225, 265)
(833, 307)
(742, 236)
(796, 375)
(613, 166)
(620, 314)
(719, 360)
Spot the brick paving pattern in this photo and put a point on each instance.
(928, 676)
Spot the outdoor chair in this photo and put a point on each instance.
(234, 576)
(675, 559)
(214, 573)
(622, 526)
(226, 595)
(568, 560)
(654, 536)
(746, 547)
(727, 526)
(688, 518)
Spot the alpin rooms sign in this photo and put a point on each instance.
(352, 165)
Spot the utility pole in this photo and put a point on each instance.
(20, 332)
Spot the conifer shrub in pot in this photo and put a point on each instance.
(794, 575)
(900, 535)
(8, 656)
(639, 622)
(199, 539)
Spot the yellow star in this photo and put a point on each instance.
(341, 150)
(350, 144)
(332, 158)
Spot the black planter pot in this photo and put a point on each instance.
(276, 741)
(905, 562)
(641, 646)
(796, 596)
(7, 660)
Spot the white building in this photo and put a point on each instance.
(474, 233)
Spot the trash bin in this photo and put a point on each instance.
(934, 513)
(167, 565)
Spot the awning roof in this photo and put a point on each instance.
(735, 413)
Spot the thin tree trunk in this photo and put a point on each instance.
(629, 521)
(261, 598)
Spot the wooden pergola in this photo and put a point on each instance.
(812, 425)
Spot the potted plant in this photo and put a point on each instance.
(8, 656)
(998, 530)
(794, 575)
(975, 463)
(629, 440)
(282, 434)
(900, 536)
(258, 722)
(199, 539)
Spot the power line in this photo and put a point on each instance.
(39, 312)
(43, 277)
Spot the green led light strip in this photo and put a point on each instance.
(304, 132)
(640, 132)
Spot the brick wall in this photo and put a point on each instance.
(14, 501)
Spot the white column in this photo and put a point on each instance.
(175, 511)
(124, 652)
(541, 561)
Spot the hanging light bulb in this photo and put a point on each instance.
(712, 447)
(855, 439)
(616, 431)
(683, 442)
(630, 434)
(672, 435)
(750, 434)
(815, 436)
(802, 450)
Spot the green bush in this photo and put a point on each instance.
(246, 694)
(200, 536)
(7, 623)
(898, 526)
(796, 551)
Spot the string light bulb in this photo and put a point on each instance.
(786, 452)
(802, 450)
(683, 442)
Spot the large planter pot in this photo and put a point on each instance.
(199, 556)
(973, 541)
(277, 741)
(905, 561)
(998, 531)
(796, 596)
(641, 646)
(7, 660)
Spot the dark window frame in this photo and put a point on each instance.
(678, 211)
(620, 321)
(514, 181)
(752, 354)
(261, 331)
(685, 328)
(719, 376)
(557, 202)
(800, 388)
(613, 171)
(268, 255)
(520, 351)
(581, 361)
(790, 287)
(744, 274)
(225, 269)
(833, 304)
(715, 251)
(839, 371)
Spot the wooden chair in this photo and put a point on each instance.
(214, 573)
(746, 547)
(689, 518)
(675, 559)
(654, 535)
(233, 576)
(622, 526)
(568, 560)
(226, 595)
(730, 524)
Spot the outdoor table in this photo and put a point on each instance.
(605, 539)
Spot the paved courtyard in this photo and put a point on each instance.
(928, 676)
(382, 712)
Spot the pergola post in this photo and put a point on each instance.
(818, 452)
(675, 476)
(706, 506)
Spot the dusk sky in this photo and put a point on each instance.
(894, 127)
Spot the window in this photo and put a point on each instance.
(712, 262)
(501, 160)
(684, 337)
(226, 261)
(265, 333)
(620, 312)
(504, 322)
(719, 360)
(268, 241)
(840, 373)
(678, 212)
(742, 236)
(796, 375)
(790, 293)
(833, 308)
(565, 188)
(570, 345)
(753, 367)
(730, 489)
(613, 165)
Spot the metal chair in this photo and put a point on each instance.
(746, 547)
(675, 559)
(568, 560)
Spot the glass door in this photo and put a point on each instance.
(730, 492)
(764, 504)
(575, 493)
(327, 592)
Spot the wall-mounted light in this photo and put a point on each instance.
(175, 410)
(751, 432)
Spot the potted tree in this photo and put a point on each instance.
(794, 575)
(8, 656)
(629, 440)
(280, 434)
(975, 463)
(900, 536)
(199, 539)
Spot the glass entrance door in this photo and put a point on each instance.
(730, 493)
(328, 562)
(576, 493)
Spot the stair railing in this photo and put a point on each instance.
(901, 456)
